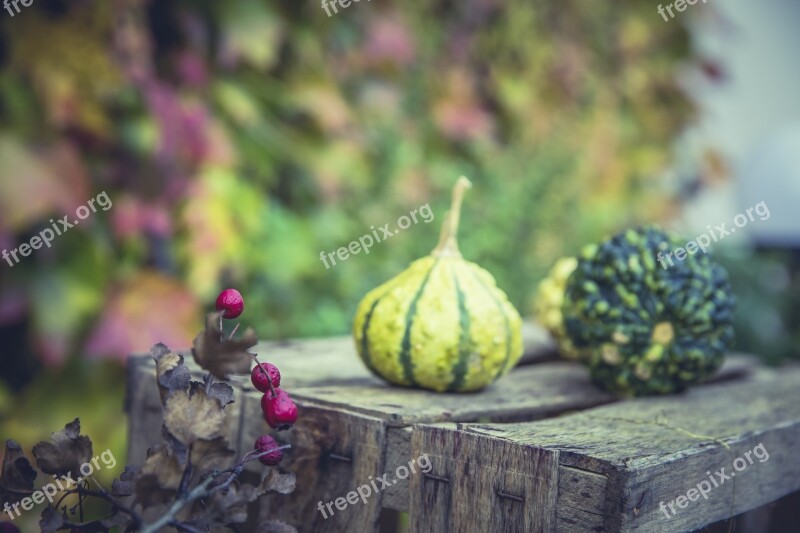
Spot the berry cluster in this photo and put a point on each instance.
(279, 409)
(280, 412)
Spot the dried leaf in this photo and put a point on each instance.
(218, 354)
(126, 484)
(159, 478)
(176, 447)
(222, 392)
(66, 452)
(171, 373)
(229, 506)
(218, 390)
(208, 455)
(190, 418)
(274, 481)
(17, 475)
(51, 520)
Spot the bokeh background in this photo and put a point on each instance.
(237, 140)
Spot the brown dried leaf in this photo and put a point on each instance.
(17, 475)
(274, 481)
(126, 484)
(195, 417)
(209, 455)
(159, 478)
(172, 375)
(176, 447)
(66, 452)
(229, 506)
(222, 356)
(219, 390)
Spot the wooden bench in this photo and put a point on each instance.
(540, 450)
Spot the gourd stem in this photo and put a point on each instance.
(448, 245)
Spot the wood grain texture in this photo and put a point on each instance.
(332, 455)
(481, 484)
(529, 392)
(656, 449)
(581, 500)
(398, 452)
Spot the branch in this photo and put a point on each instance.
(196, 493)
(103, 494)
(205, 489)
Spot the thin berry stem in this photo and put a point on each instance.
(269, 379)
(221, 333)
(236, 327)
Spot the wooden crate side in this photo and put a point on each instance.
(754, 485)
(398, 452)
(481, 484)
(332, 454)
(656, 449)
(581, 500)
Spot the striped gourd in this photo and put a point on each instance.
(442, 324)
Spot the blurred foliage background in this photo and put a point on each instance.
(239, 139)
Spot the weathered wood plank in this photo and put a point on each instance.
(398, 452)
(581, 500)
(332, 454)
(529, 392)
(482, 484)
(654, 450)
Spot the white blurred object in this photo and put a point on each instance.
(752, 117)
(771, 174)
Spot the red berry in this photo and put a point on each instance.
(260, 379)
(265, 443)
(267, 396)
(231, 302)
(279, 412)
